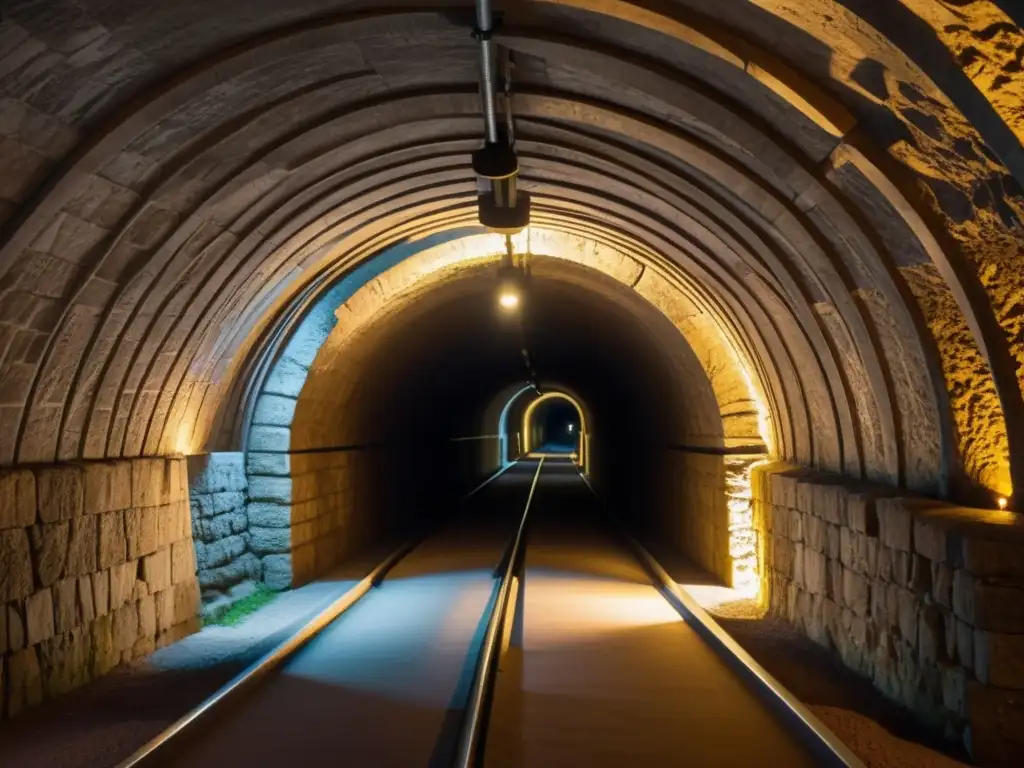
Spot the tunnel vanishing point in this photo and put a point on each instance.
(776, 260)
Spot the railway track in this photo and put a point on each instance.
(368, 704)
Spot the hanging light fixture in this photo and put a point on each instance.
(502, 207)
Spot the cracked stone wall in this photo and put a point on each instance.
(923, 598)
(98, 570)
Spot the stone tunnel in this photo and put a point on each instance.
(248, 328)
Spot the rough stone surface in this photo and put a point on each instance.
(72, 603)
(50, 550)
(931, 634)
(17, 498)
(59, 493)
(277, 571)
(16, 573)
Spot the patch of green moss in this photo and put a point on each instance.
(245, 607)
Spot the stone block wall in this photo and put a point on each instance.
(308, 511)
(98, 568)
(228, 567)
(924, 598)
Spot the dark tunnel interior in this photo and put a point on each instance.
(433, 367)
(557, 423)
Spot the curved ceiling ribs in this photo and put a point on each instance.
(824, 204)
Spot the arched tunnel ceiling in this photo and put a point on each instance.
(583, 330)
(840, 178)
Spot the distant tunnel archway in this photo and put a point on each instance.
(531, 430)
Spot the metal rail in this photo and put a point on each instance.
(469, 751)
(816, 736)
(161, 745)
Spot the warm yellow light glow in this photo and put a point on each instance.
(508, 300)
(1001, 501)
(584, 458)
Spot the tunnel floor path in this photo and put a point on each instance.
(385, 683)
(602, 671)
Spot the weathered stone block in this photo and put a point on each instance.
(861, 514)
(815, 572)
(16, 574)
(274, 464)
(65, 596)
(146, 609)
(906, 604)
(828, 499)
(277, 571)
(816, 534)
(228, 501)
(105, 657)
(24, 683)
(274, 410)
(39, 616)
(276, 489)
(999, 659)
(149, 483)
(64, 662)
(164, 602)
(100, 583)
(50, 547)
(156, 570)
(60, 493)
(17, 498)
(269, 515)
(895, 523)
(224, 551)
(267, 541)
(964, 644)
(265, 439)
(879, 605)
(186, 601)
(125, 627)
(15, 627)
(222, 526)
(942, 584)
(856, 595)
(931, 635)
(930, 537)
(783, 489)
(216, 472)
(122, 584)
(177, 487)
(82, 546)
(173, 523)
(113, 541)
(183, 562)
(834, 542)
(141, 532)
(84, 596)
(108, 486)
(799, 579)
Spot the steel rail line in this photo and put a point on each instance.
(160, 747)
(469, 751)
(814, 734)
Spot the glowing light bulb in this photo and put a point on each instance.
(570, 427)
(1001, 501)
(508, 300)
